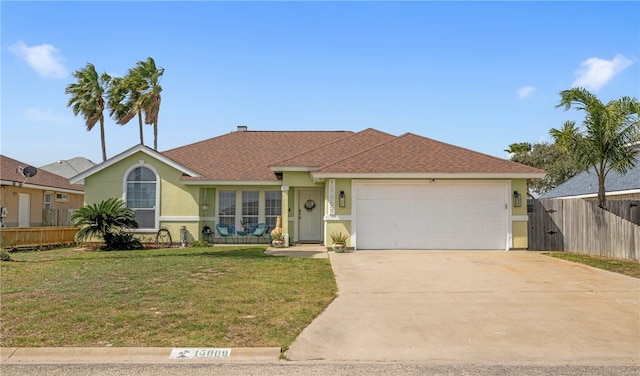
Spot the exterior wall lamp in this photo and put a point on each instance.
(517, 199)
(342, 200)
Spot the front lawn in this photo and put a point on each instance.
(186, 297)
(630, 268)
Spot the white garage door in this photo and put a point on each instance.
(439, 215)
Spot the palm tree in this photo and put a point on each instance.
(519, 148)
(87, 98)
(606, 141)
(105, 219)
(124, 103)
(144, 79)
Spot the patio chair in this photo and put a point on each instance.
(225, 232)
(260, 231)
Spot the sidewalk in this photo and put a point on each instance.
(140, 355)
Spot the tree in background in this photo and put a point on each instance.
(558, 164)
(607, 136)
(123, 100)
(144, 80)
(87, 98)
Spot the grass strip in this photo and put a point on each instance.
(630, 268)
(187, 297)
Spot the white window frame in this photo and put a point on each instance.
(48, 196)
(156, 222)
(238, 212)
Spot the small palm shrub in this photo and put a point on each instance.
(107, 219)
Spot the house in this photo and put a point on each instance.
(385, 191)
(585, 185)
(27, 200)
(68, 168)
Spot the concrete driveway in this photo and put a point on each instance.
(478, 307)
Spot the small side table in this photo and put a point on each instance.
(207, 236)
(243, 234)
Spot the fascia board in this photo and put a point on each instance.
(214, 182)
(291, 169)
(424, 175)
(18, 184)
(79, 179)
(594, 195)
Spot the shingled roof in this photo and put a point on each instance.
(256, 156)
(586, 184)
(411, 153)
(247, 155)
(10, 172)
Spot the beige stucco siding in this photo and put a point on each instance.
(9, 198)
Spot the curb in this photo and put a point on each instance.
(140, 355)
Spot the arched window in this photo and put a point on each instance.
(141, 196)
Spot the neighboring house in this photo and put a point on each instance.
(384, 191)
(68, 168)
(585, 185)
(25, 199)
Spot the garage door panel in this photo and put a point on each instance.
(428, 216)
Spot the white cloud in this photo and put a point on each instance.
(46, 116)
(44, 59)
(594, 72)
(525, 91)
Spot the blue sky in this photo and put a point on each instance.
(480, 75)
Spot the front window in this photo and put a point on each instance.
(227, 205)
(243, 209)
(250, 201)
(272, 207)
(141, 196)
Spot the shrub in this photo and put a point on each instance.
(4, 255)
(199, 244)
(123, 241)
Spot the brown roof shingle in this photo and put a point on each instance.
(9, 171)
(337, 150)
(247, 155)
(411, 153)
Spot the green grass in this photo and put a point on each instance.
(184, 297)
(630, 268)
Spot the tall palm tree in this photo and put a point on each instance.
(606, 140)
(87, 98)
(123, 100)
(144, 79)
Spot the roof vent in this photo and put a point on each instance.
(242, 128)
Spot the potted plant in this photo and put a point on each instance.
(339, 241)
(277, 239)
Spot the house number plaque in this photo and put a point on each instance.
(192, 353)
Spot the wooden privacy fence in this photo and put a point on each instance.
(576, 225)
(17, 237)
(57, 217)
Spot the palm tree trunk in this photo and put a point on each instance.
(602, 198)
(155, 135)
(140, 124)
(104, 145)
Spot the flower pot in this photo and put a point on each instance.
(339, 247)
(278, 243)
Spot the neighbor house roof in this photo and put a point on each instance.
(586, 184)
(68, 167)
(10, 175)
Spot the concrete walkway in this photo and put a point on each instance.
(474, 307)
